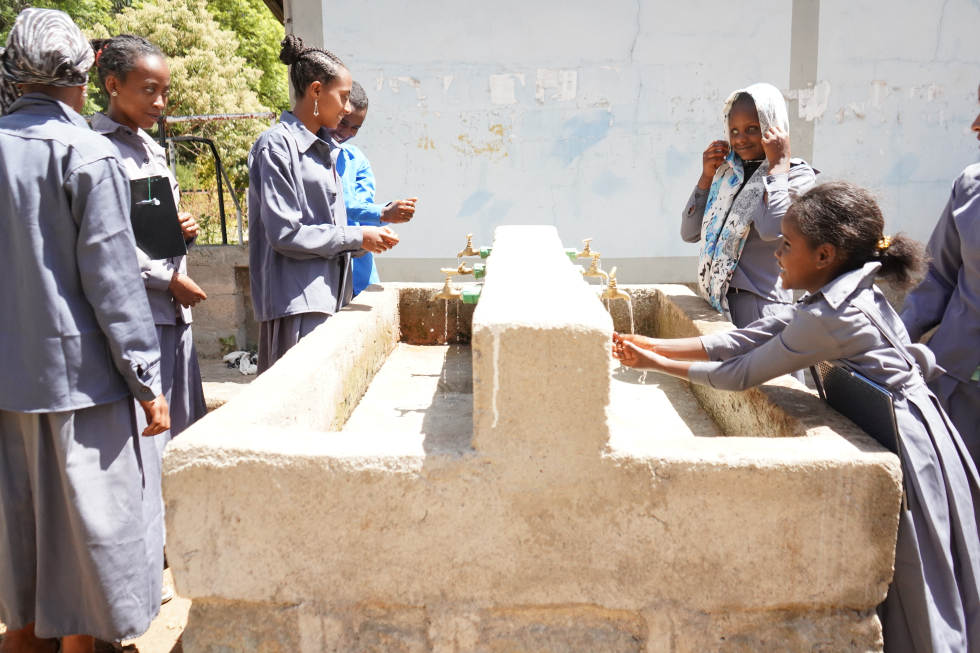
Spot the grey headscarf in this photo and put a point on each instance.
(44, 47)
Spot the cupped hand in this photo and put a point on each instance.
(378, 239)
(776, 144)
(186, 291)
(157, 416)
(399, 211)
(188, 225)
(711, 160)
(631, 355)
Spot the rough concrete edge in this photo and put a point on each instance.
(783, 406)
(340, 385)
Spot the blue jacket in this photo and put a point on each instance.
(358, 180)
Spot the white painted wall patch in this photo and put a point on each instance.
(813, 101)
(502, 88)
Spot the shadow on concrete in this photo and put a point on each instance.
(448, 423)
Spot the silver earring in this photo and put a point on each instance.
(316, 107)
(114, 94)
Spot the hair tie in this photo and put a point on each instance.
(98, 54)
(885, 243)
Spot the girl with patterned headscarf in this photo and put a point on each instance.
(78, 559)
(747, 183)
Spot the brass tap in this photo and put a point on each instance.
(594, 270)
(469, 251)
(587, 252)
(447, 292)
(462, 269)
(612, 292)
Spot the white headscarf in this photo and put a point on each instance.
(44, 47)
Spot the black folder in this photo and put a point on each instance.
(154, 216)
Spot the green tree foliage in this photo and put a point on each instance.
(86, 13)
(259, 34)
(208, 77)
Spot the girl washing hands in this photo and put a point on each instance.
(833, 248)
(300, 243)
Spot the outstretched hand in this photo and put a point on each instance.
(399, 211)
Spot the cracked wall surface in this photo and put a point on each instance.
(593, 118)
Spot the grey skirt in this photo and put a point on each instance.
(278, 336)
(180, 375)
(76, 553)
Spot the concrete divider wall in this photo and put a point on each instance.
(541, 532)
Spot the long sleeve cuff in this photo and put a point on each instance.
(776, 183)
(144, 380)
(353, 238)
(700, 372)
(156, 274)
(718, 346)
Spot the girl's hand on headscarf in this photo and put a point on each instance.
(711, 160)
(776, 144)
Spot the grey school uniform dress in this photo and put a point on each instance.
(950, 297)
(180, 371)
(933, 603)
(755, 289)
(77, 344)
(300, 244)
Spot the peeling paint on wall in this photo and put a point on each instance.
(813, 101)
(565, 81)
(502, 88)
(879, 93)
(932, 92)
(394, 83)
(447, 81)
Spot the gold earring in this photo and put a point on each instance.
(316, 106)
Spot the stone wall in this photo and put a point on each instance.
(541, 532)
(222, 273)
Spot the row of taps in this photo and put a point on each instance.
(610, 291)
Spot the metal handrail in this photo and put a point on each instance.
(219, 167)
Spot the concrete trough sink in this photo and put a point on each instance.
(515, 490)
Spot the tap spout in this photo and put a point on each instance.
(468, 250)
(612, 292)
(461, 270)
(447, 291)
(587, 251)
(594, 269)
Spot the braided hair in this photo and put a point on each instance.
(308, 64)
(847, 216)
(119, 55)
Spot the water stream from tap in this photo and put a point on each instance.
(643, 378)
(445, 327)
(629, 305)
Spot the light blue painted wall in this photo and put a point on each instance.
(617, 160)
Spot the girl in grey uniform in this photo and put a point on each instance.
(300, 244)
(949, 297)
(833, 248)
(134, 74)
(78, 559)
(747, 182)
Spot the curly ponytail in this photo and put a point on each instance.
(848, 217)
(308, 64)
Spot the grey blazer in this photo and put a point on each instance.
(300, 244)
(75, 327)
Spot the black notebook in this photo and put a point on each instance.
(154, 216)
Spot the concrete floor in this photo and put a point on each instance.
(421, 391)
